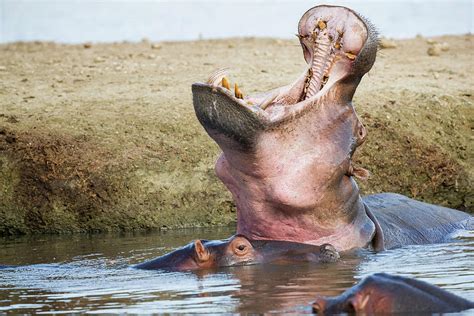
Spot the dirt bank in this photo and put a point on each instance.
(103, 136)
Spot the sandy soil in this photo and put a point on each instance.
(103, 136)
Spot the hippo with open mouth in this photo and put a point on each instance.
(287, 153)
(237, 251)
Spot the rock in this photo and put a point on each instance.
(3, 68)
(87, 45)
(434, 50)
(156, 46)
(444, 46)
(387, 43)
(431, 41)
(99, 59)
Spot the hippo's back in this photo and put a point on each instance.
(405, 221)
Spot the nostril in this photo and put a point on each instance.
(350, 308)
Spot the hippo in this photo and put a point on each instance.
(238, 250)
(382, 293)
(287, 153)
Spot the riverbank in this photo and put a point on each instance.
(101, 137)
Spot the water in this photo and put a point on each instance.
(76, 21)
(92, 273)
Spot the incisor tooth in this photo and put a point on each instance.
(225, 83)
(238, 93)
(350, 56)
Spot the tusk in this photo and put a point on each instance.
(238, 93)
(225, 83)
(265, 103)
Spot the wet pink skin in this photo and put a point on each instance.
(295, 183)
(296, 186)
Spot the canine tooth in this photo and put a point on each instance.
(350, 56)
(225, 83)
(238, 93)
(321, 25)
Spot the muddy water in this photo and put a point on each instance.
(67, 274)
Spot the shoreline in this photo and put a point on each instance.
(104, 138)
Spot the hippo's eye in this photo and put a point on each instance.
(241, 247)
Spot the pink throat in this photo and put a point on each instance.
(266, 224)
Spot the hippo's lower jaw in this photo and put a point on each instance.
(287, 154)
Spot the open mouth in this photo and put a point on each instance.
(339, 47)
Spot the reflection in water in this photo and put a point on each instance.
(92, 273)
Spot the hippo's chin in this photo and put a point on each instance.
(287, 153)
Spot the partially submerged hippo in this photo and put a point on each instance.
(238, 250)
(287, 153)
(383, 293)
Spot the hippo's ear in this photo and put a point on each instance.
(359, 302)
(202, 254)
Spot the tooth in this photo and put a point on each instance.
(350, 56)
(321, 25)
(225, 83)
(268, 100)
(238, 93)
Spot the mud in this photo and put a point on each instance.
(103, 137)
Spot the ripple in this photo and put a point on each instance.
(101, 280)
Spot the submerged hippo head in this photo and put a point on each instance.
(238, 250)
(287, 153)
(384, 294)
(204, 254)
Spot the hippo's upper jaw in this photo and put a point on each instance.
(286, 154)
(339, 48)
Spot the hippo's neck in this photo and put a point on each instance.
(267, 210)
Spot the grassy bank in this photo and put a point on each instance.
(104, 137)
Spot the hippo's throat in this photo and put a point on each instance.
(311, 209)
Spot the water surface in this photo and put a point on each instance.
(92, 273)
